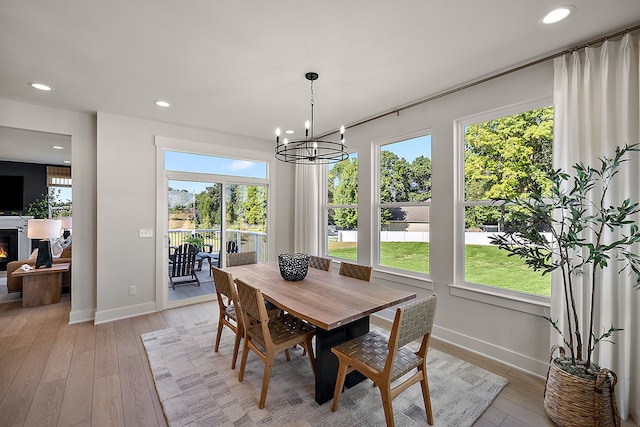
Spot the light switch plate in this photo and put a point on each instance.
(146, 232)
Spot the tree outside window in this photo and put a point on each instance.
(342, 209)
(503, 157)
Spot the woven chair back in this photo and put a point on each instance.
(224, 284)
(362, 272)
(319, 263)
(251, 303)
(416, 320)
(242, 258)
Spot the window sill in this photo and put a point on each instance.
(421, 282)
(531, 304)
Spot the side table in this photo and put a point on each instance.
(41, 286)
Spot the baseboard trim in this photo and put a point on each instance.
(80, 316)
(124, 312)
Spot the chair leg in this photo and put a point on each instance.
(218, 334)
(309, 350)
(385, 393)
(426, 396)
(243, 361)
(236, 346)
(268, 366)
(286, 352)
(342, 374)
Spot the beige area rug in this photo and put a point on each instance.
(198, 388)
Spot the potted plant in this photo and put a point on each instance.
(570, 225)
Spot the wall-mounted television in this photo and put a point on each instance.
(11, 193)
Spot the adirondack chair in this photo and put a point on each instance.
(182, 269)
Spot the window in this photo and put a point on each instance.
(503, 155)
(342, 209)
(404, 199)
(199, 163)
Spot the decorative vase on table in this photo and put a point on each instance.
(293, 267)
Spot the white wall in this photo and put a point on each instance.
(510, 334)
(127, 191)
(81, 128)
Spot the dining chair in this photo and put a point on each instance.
(319, 262)
(242, 258)
(229, 313)
(362, 272)
(268, 337)
(384, 360)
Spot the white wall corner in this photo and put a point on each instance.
(105, 316)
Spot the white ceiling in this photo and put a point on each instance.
(238, 66)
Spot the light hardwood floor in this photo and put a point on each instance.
(56, 374)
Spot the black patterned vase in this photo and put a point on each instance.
(293, 267)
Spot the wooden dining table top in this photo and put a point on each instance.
(324, 299)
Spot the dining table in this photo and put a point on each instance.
(338, 306)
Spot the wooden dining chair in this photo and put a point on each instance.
(362, 272)
(384, 360)
(268, 337)
(319, 262)
(229, 315)
(242, 258)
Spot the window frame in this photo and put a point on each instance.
(528, 303)
(377, 205)
(326, 206)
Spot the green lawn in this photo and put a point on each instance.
(486, 265)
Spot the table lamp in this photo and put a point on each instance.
(43, 229)
(66, 226)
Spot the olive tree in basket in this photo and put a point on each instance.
(571, 226)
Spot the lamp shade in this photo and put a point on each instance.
(66, 222)
(43, 228)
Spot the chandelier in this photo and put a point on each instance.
(311, 150)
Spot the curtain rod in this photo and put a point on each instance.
(488, 78)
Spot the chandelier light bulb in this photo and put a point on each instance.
(277, 134)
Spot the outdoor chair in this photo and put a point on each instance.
(319, 262)
(268, 337)
(384, 360)
(362, 272)
(183, 266)
(229, 311)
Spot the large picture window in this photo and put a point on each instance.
(404, 189)
(342, 209)
(503, 156)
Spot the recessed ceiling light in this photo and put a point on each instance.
(162, 103)
(289, 131)
(57, 147)
(40, 86)
(67, 162)
(557, 14)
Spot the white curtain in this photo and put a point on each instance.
(310, 188)
(597, 107)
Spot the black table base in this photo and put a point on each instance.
(327, 362)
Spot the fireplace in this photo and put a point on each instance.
(8, 247)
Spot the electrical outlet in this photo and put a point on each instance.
(132, 290)
(146, 232)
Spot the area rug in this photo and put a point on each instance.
(5, 296)
(198, 388)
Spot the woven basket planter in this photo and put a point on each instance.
(572, 401)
